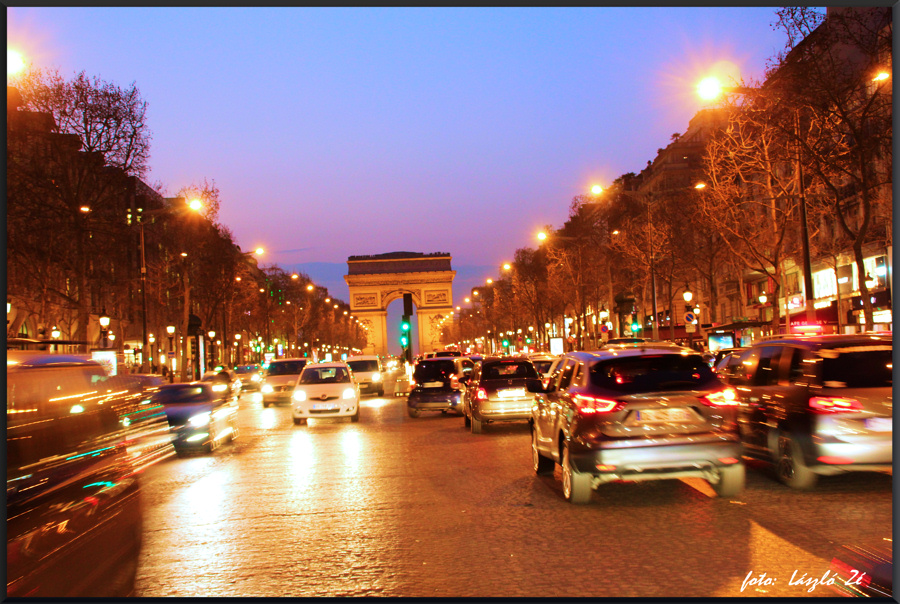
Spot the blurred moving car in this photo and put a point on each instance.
(817, 405)
(250, 376)
(500, 389)
(76, 440)
(437, 385)
(368, 373)
(447, 353)
(325, 390)
(729, 363)
(620, 341)
(864, 570)
(225, 383)
(279, 379)
(644, 413)
(200, 418)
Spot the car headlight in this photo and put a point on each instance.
(349, 393)
(376, 377)
(220, 387)
(267, 388)
(299, 395)
(201, 419)
(255, 377)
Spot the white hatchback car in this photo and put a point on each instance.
(325, 390)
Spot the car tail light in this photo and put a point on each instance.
(833, 404)
(454, 382)
(589, 405)
(831, 459)
(481, 395)
(721, 398)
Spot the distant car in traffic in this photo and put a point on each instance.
(642, 413)
(368, 373)
(543, 362)
(225, 382)
(200, 418)
(325, 390)
(438, 384)
(250, 375)
(447, 353)
(817, 405)
(500, 389)
(279, 379)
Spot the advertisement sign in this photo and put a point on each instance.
(556, 346)
(107, 358)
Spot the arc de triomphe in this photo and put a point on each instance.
(376, 281)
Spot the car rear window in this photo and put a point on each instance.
(433, 370)
(246, 369)
(501, 370)
(652, 373)
(324, 375)
(181, 395)
(366, 365)
(285, 368)
(857, 366)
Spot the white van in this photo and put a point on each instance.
(368, 372)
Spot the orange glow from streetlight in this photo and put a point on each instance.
(15, 63)
(295, 276)
(709, 88)
(507, 266)
(259, 251)
(882, 76)
(309, 287)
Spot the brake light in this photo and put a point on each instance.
(721, 398)
(481, 395)
(833, 404)
(590, 404)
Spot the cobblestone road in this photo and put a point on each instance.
(394, 506)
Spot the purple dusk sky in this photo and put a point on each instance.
(334, 132)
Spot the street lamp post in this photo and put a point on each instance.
(195, 205)
(170, 330)
(104, 328)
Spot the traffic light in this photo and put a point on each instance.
(505, 342)
(404, 337)
(635, 327)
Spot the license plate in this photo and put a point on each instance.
(511, 393)
(433, 384)
(879, 424)
(324, 406)
(663, 415)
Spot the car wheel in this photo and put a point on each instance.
(731, 480)
(477, 426)
(789, 464)
(541, 465)
(265, 404)
(299, 421)
(576, 485)
(466, 420)
(355, 416)
(413, 412)
(381, 392)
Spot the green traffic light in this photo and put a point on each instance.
(635, 327)
(506, 342)
(404, 326)
(404, 340)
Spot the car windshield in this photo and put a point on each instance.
(181, 394)
(363, 365)
(652, 373)
(285, 368)
(246, 369)
(433, 370)
(857, 367)
(508, 369)
(324, 375)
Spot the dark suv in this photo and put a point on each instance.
(643, 413)
(817, 405)
(437, 384)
